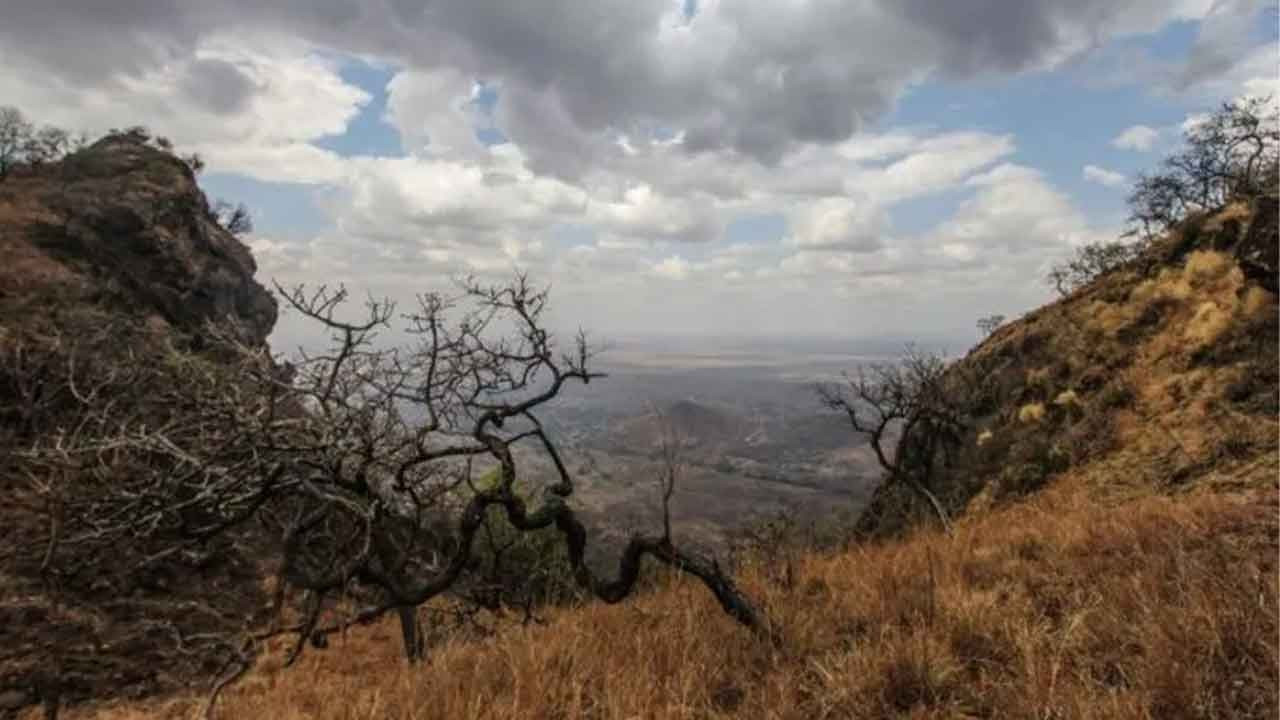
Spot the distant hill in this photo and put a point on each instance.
(698, 427)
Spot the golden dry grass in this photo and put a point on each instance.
(1189, 346)
(1031, 413)
(1053, 608)
(1067, 398)
(1206, 298)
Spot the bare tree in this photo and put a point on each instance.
(990, 323)
(235, 219)
(358, 460)
(1232, 153)
(912, 414)
(1091, 261)
(195, 161)
(15, 138)
(47, 145)
(671, 465)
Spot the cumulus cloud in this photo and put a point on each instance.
(1232, 53)
(1102, 176)
(838, 224)
(635, 134)
(673, 267)
(1017, 209)
(435, 112)
(252, 105)
(1221, 45)
(1140, 138)
(758, 78)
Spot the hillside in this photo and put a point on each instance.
(1160, 377)
(1053, 608)
(110, 258)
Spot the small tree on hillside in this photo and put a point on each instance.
(22, 144)
(913, 415)
(235, 219)
(194, 161)
(1231, 154)
(1090, 261)
(47, 145)
(15, 139)
(990, 323)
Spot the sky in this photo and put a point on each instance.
(756, 168)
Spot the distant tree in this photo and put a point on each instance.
(234, 219)
(15, 139)
(194, 161)
(137, 133)
(990, 323)
(49, 144)
(78, 141)
(912, 413)
(164, 143)
(1232, 153)
(1091, 261)
(671, 463)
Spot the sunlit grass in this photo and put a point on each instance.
(1054, 608)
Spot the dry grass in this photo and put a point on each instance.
(1053, 608)
(1206, 297)
(1190, 350)
(1031, 413)
(1067, 398)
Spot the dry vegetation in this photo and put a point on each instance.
(1054, 608)
(1112, 465)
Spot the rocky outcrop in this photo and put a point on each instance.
(127, 223)
(108, 258)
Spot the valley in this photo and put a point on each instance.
(752, 438)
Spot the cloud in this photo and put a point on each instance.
(1253, 75)
(1102, 176)
(253, 104)
(217, 85)
(753, 77)
(838, 224)
(673, 267)
(1228, 56)
(1221, 43)
(1140, 138)
(435, 112)
(635, 134)
(1017, 209)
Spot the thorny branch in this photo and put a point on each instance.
(356, 460)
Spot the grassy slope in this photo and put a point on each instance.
(1057, 607)
(1160, 378)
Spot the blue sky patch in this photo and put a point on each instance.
(368, 133)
